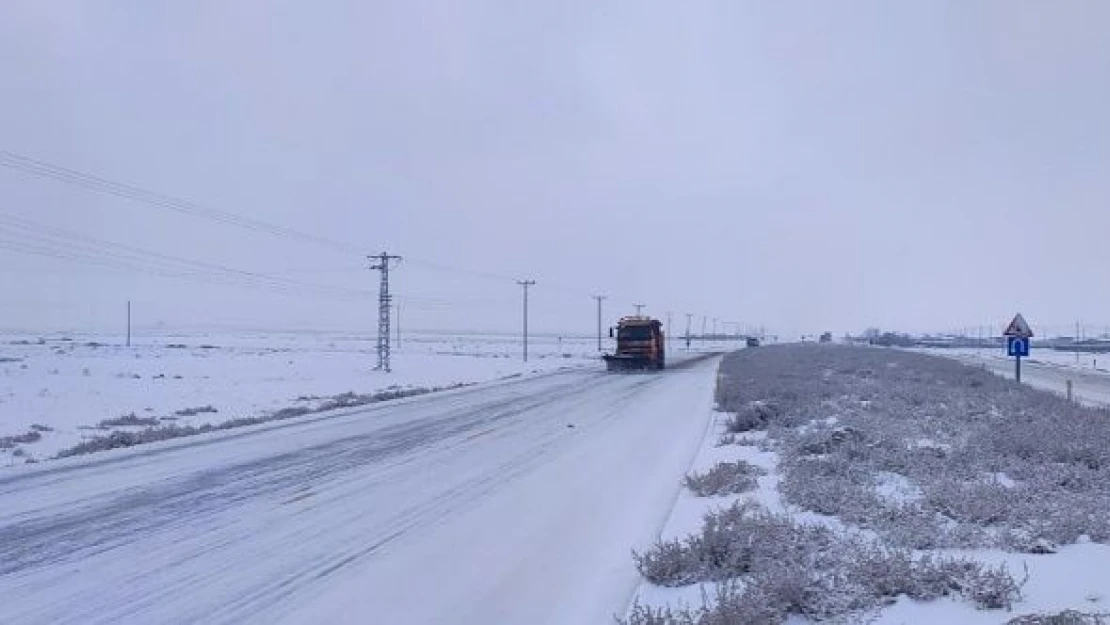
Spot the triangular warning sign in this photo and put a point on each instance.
(1019, 327)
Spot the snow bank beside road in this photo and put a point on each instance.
(1046, 370)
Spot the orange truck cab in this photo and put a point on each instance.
(640, 345)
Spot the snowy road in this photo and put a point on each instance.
(515, 503)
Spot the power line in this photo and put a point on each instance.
(111, 261)
(27, 237)
(138, 194)
(81, 243)
(427, 264)
(134, 193)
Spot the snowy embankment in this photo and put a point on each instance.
(58, 391)
(888, 486)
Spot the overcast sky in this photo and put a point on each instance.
(799, 165)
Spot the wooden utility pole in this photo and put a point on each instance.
(599, 299)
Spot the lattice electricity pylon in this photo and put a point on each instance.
(385, 300)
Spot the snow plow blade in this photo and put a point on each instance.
(630, 363)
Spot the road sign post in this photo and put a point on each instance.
(1017, 336)
(1017, 347)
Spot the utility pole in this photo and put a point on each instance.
(689, 317)
(599, 299)
(381, 263)
(526, 284)
(639, 309)
(667, 338)
(714, 328)
(703, 329)
(129, 323)
(1076, 342)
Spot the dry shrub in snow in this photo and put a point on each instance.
(9, 442)
(192, 412)
(127, 420)
(1067, 617)
(725, 478)
(160, 432)
(997, 464)
(772, 567)
(732, 439)
(751, 416)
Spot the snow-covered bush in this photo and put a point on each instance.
(751, 416)
(127, 420)
(771, 566)
(725, 478)
(734, 439)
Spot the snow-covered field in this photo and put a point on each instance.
(869, 478)
(57, 390)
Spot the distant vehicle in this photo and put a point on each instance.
(640, 345)
(752, 341)
(826, 337)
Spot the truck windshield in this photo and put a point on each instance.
(634, 333)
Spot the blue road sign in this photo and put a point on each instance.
(1017, 346)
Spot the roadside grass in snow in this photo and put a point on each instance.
(161, 432)
(9, 442)
(192, 412)
(725, 478)
(127, 420)
(992, 463)
(1067, 617)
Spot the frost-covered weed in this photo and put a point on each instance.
(9, 442)
(725, 478)
(127, 420)
(734, 439)
(192, 412)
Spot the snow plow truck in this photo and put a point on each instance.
(639, 345)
